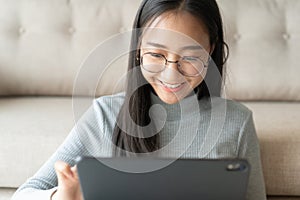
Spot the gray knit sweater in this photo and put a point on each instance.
(220, 129)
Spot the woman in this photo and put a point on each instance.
(178, 53)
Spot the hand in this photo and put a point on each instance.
(68, 182)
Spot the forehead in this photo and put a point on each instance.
(176, 30)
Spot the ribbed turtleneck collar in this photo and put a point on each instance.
(187, 107)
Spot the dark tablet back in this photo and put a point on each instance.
(186, 179)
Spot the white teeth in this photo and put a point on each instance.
(172, 86)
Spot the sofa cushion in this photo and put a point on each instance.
(278, 129)
(263, 37)
(41, 52)
(30, 130)
(6, 193)
(264, 41)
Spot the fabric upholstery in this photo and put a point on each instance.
(264, 41)
(278, 129)
(263, 53)
(6, 193)
(31, 129)
(43, 43)
(45, 129)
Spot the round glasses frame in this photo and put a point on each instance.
(175, 62)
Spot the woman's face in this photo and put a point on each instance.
(175, 36)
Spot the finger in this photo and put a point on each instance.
(63, 169)
(61, 178)
(75, 172)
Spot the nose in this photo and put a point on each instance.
(171, 73)
(172, 62)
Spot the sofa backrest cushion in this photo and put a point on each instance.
(264, 39)
(43, 44)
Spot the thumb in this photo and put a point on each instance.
(75, 172)
(63, 171)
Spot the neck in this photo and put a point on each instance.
(183, 108)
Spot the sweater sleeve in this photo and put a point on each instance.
(44, 182)
(249, 149)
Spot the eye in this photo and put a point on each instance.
(156, 55)
(190, 58)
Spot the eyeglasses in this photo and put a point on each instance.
(186, 65)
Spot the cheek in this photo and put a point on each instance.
(195, 82)
(148, 76)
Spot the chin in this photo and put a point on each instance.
(171, 102)
(169, 98)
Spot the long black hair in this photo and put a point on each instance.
(137, 100)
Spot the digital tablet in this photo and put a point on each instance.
(188, 179)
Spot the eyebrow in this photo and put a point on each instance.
(191, 47)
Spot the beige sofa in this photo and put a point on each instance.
(43, 43)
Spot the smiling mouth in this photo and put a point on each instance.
(171, 86)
